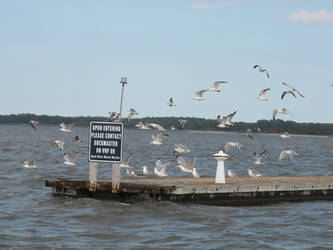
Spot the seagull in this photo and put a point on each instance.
(228, 119)
(284, 93)
(194, 173)
(156, 126)
(280, 111)
(231, 144)
(172, 128)
(146, 171)
(140, 125)
(171, 103)
(257, 157)
(215, 87)
(34, 124)
(261, 69)
(157, 139)
(290, 153)
(60, 144)
(253, 173)
(114, 116)
(231, 174)
(186, 167)
(132, 112)
(262, 94)
(248, 135)
(76, 139)
(70, 160)
(221, 122)
(285, 84)
(66, 128)
(180, 148)
(131, 172)
(198, 95)
(29, 164)
(284, 135)
(181, 123)
(125, 163)
(160, 168)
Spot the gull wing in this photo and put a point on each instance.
(283, 154)
(181, 160)
(263, 92)
(200, 92)
(216, 83)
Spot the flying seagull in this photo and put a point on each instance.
(29, 164)
(156, 126)
(284, 135)
(284, 93)
(171, 103)
(279, 111)
(228, 119)
(215, 87)
(253, 173)
(131, 113)
(180, 148)
(289, 153)
(157, 139)
(60, 144)
(293, 89)
(34, 124)
(160, 168)
(186, 167)
(114, 116)
(262, 94)
(181, 123)
(231, 144)
(66, 128)
(199, 95)
(70, 160)
(140, 125)
(261, 69)
(257, 157)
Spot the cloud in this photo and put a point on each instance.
(209, 6)
(306, 17)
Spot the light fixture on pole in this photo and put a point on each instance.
(123, 81)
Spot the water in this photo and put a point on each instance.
(31, 217)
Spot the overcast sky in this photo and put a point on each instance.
(66, 57)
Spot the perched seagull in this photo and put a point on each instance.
(198, 95)
(280, 111)
(66, 128)
(70, 160)
(29, 164)
(140, 125)
(171, 103)
(76, 139)
(215, 87)
(261, 69)
(194, 173)
(60, 144)
(289, 153)
(146, 171)
(156, 126)
(131, 172)
(262, 94)
(285, 84)
(284, 135)
(157, 139)
(114, 116)
(180, 148)
(160, 168)
(181, 123)
(231, 174)
(132, 112)
(186, 167)
(125, 163)
(257, 157)
(253, 173)
(231, 144)
(34, 124)
(284, 93)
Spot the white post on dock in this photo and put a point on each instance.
(93, 175)
(220, 172)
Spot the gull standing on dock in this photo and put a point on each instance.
(261, 69)
(171, 103)
(157, 139)
(199, 95)
(132, 112)
(70, 160)
(262, 94)
(29, 164)
(253, 173)
(60, 144)
(231, 174)
(287, 153)
(194, 173)
(131, 172)
(215, 87)
(160, 168)
(257, 157)
(34, 124)
(146, 171)
(186, 167)
(66, 128)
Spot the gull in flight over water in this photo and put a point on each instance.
(171, 103)
(157, 139)
(29, 164)
(231, 174)
(215, 87)
(66, 128)
(114, 116)
(160, 168)
(262, 94)
(180, 148)
(280, 111)
(199, 95)
(186, 167)
(284, 135)
(181, 123)
(257, 157)
(146, 171)
(70, 160)
(34, 124)
(60, 144)
(284, 93)
(132, 112)
(140, 125)
(253, 173)
(125, 163)
(295, 90)
(225, 121)
(287, 153)
(231, 144)
(156, 126)
(261, 69)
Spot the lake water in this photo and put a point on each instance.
(32, 218)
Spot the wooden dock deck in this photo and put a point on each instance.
(236, 191)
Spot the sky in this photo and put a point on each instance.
(66, 57)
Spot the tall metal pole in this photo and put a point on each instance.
(123, 81)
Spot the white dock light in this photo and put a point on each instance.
(123, 81)
(220, 172)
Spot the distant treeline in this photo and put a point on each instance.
(265, 126)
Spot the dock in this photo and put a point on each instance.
(236, 191)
